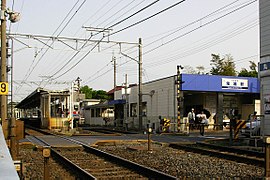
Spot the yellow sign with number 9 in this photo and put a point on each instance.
(3, 88)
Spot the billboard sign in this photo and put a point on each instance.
(229, 83)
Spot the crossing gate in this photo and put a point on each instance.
(239, 125)
(166, 125)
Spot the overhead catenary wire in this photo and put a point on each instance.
(65, 18)
(124, 13)
(77, 61)
(103, 14)
(198, 49)
(202, 25)
(31, 69)
(92, 75)
(238, 29)
(117, 23)
(102, 6)
(205, 24)
(125, 29)
(232, 34)
(194, 22)
(180, 28)
(149, 17)
(98, 10)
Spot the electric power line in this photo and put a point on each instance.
(240, 31)
(205, 24)
(149, 17)
(121, 21)
(31, 70)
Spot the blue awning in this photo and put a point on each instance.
(118, 101)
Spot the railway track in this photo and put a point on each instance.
(90, 163)
(229, 153)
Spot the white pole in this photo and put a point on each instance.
(70, 104)
(71, 109)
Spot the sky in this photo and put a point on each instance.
(173, 33)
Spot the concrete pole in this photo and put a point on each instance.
(126, 104)
(267, 157)
(3, 62)
(178, 99)
(114, 73)
(140, 84)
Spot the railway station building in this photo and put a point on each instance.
(48, 108)
(219, 95)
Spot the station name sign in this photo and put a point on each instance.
(264, 69)
(239, 84)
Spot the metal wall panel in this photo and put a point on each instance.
(264, 27)
(264, 70)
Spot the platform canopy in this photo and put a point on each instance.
(33, 100)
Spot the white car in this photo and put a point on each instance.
(253, 128)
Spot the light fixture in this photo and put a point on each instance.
(13, 16)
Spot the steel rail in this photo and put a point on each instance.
(146, 171)
(79, 172)
(219, 154)
(233, 150)
(140, 169)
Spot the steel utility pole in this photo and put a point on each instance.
(140, 84)
(3, 61)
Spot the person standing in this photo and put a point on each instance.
(203, 121)
(191, 119)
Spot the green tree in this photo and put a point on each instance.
(87, 91)
(251, 73)
(200, 69)
(190, 70)
(100, 94)
(94, 94)
(222, 66)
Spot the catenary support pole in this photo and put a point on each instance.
(3, 62)
(114, 73)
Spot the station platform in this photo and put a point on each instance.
(7, 168)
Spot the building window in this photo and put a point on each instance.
(98, 114)
(92, 112)
(133, 109)
(144, 109)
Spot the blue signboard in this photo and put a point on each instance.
(214, 83)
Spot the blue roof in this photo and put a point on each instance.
(215, 83)
(118, 101)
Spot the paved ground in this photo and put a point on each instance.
(162, 138)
